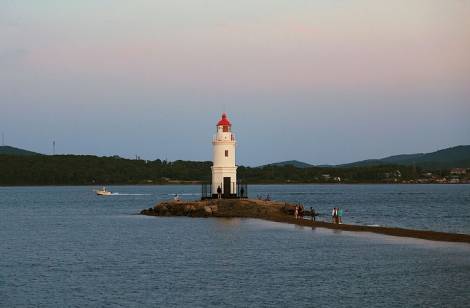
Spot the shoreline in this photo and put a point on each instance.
(281, 212)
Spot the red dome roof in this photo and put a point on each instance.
(224, 121)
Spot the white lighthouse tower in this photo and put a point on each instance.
(224, 170)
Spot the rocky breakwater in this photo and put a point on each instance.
(271, 210)
(283, 212)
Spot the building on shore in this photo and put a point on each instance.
(458, 171)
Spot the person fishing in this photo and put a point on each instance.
(340, 215)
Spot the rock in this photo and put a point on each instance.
(162, 210)
(208, 210)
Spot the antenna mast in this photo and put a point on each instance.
(53, 147)
(3, 139)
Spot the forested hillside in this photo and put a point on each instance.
(93, 170)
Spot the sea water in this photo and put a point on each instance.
(65, 246)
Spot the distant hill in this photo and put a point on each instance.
(295, 163)
(8, 150)
(453, 157)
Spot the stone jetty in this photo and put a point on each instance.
(282, 212)
(223, 208)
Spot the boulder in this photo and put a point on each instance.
(208, 210)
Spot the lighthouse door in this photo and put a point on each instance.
(227, 187)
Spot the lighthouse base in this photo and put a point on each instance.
(224, 181)
(240, 193)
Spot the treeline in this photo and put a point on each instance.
(291, 174)
(93, 170)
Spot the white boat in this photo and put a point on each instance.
(103, 192)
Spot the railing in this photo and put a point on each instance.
(206, 191)
(232, 138)
(241, 191)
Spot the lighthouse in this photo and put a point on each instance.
(224, 170)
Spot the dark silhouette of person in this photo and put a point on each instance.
(219, 192)
(242, 192)
(312, 211)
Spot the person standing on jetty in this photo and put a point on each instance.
(340, 216)
(312, 212)
(296, 212)
(219, 193)
(335, 215)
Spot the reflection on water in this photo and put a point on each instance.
(228, 222)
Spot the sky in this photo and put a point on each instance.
(325, 82)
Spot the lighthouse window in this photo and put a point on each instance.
(226, 153)
(225, 129)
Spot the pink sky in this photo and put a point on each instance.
(366, 59)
